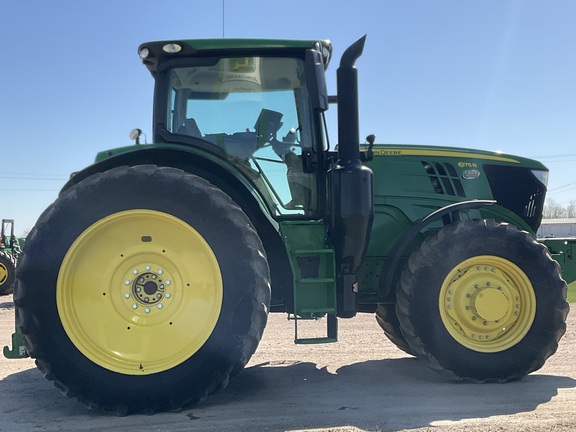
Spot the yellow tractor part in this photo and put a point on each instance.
(139, 292)
(487, 304)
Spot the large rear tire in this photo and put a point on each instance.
(142, 289)
(7, 273)
(482, 301)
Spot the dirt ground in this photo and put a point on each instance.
(362, 383)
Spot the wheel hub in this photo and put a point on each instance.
(148, 289)
(479, 302)
(3, 273)
(487, 307)
(490, 304)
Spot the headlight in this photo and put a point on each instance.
(144, 53)
(541, 175)
(172, 48)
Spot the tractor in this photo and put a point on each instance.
(10, 249)
(146, 286)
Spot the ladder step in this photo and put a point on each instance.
(315, 311)
(316, 280)
(331, 332)
(312, 251)
(310, 341)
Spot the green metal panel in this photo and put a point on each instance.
(562, 250)
(312, 262)
(404, 192)
(18, 349)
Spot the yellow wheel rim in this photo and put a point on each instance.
(3, 274)
(487, 304)
(139, 292)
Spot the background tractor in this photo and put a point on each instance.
(147, 284)
(10, 249)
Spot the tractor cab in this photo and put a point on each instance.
(259, 105)
(256, 107)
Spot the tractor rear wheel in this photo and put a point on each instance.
(7, 273)
(142, 289)
(482, 301)
(388, 321)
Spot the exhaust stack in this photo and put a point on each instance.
(348, 120)
(351, 203)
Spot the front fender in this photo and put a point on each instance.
(448, 214)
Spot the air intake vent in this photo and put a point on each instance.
(518, 190)
(444, 178)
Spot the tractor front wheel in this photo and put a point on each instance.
(7, 273)
(142, 289)
(388, 320)
(482, 301)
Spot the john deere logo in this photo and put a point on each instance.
(241, 65)
(470, 174)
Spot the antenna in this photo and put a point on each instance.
(223, 8)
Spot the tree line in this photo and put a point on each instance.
(553, 210)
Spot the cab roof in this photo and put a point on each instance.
(152, 52)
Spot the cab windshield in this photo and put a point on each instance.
(257, 110)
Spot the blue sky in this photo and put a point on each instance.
(485, 74)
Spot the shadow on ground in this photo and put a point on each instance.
(7, 305)
(387, 395)
(391, 394)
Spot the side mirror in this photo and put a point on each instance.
(316, 80)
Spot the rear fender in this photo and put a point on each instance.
(227, 177)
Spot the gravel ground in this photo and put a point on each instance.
(362, 383)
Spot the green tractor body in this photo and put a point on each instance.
(10, 249)
(563, 250)
(166, 258)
